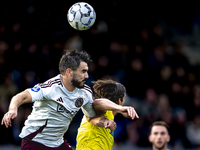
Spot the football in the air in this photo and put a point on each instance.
(81, 16)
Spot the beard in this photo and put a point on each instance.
(78, 84)
(160, 147)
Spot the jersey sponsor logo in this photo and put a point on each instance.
(35, 89)
(62, 109)
(79, 102)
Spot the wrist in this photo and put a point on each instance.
(12, 108)
(120, 108)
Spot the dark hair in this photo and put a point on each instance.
(159, 123)
(72, 59)
(109, 89)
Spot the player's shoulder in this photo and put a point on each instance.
(52, 81)
(87, 89)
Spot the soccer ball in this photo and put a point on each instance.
(81, 16)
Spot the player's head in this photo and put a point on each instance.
(74, 63)
(72, 59)
(111, 90)
(159, 135)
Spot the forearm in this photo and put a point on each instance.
(97, 120)
(105, 104)
(19, 99)
(16, 101)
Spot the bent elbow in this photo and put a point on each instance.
(95, 104)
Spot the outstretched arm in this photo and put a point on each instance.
(16, 101)
(105, 104)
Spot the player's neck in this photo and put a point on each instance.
(114, 113)
(67, 84)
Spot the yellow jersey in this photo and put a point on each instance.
(92, 137)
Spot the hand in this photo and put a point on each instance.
(10, 115)
(128, 112)
(110, 124)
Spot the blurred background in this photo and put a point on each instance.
(151, 48)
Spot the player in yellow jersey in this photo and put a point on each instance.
(92, 137)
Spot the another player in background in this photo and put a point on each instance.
(92, 137)
(159, 135)
(56, 102)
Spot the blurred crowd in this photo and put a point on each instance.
(140, 51)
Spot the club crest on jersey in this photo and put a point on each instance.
(79, 102)
(35, 89)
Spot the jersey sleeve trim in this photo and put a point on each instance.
(87, 88)
(50, 83)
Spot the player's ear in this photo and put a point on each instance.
(69, 72)
(118, 102)
(150, 138)
(168, 139)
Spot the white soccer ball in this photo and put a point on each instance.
(81, 16)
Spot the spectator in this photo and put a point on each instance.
(159, 135)
(193, 131)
